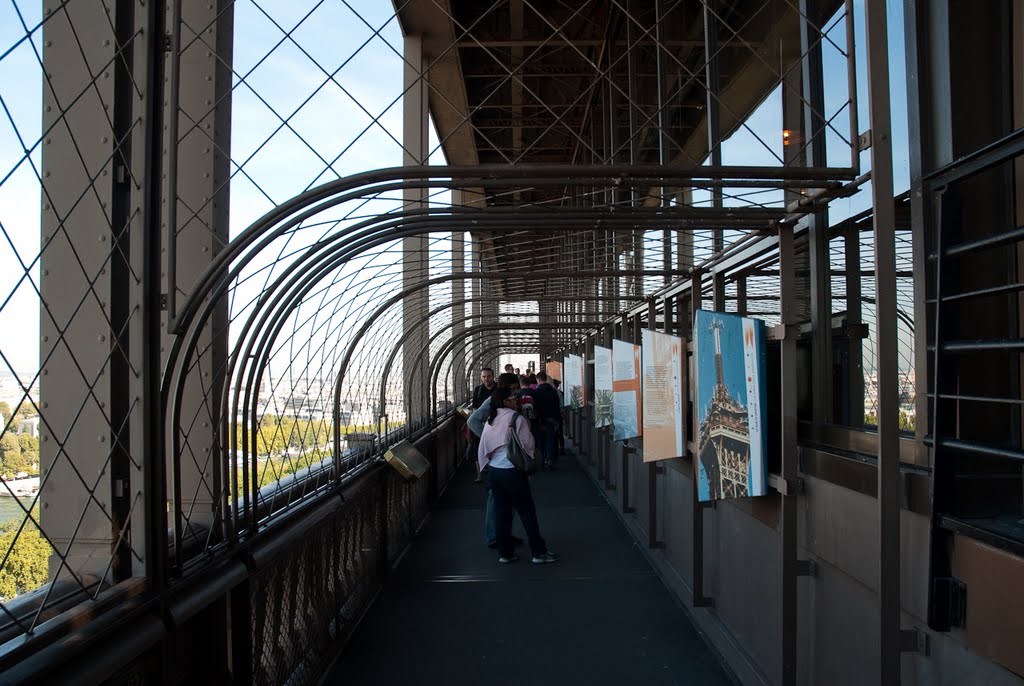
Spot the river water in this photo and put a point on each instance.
(10, 510)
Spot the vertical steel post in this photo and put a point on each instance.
(154, 469)
(460, 383)
(887, 344)
(854, 315)
(813, 126)
(711, 75)
(414, 248)
(699, 599)
(653, 468)
(788, 312)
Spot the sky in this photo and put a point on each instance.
(329, 126)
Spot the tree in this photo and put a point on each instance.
(11, 459)
(26, 410)
(5, 410)
(29, 451)
(26, 568)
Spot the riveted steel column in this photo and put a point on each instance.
(414, 248)
(199, 119)
(97, 233)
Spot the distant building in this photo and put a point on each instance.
(29, 426)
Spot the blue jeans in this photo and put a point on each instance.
(510, 489)
(490, 522)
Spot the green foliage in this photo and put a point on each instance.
(30, 452)
(908, 422)
(276, 435)
(5, 410)
(12, 460)
(27, 410)
(26, 567)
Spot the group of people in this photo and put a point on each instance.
(532, 407)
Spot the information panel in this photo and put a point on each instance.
(625, 390)
(729, 356)
(664, 431)
(602, 386)
(573, 382)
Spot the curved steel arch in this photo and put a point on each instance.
(288, 290)
(490, 327)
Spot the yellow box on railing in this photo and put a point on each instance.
(407, 461)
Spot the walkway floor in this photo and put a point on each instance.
(451, 614)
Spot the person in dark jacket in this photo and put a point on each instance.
(480, 394)
(548, 411)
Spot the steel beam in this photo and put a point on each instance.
(415, 267)
(887, 346)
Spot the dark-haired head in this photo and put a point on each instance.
(508, 381)
(500, 397)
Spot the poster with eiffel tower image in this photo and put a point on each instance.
(731, 398)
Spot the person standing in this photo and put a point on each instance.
(476, 424)
(548, 410)
(509, 486)
(480, 394)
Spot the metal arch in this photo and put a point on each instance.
(299, 284)
(495, 218)
(521, 346)
(351, 242)
(325, 257)
(219, 271)
(466, 176)
(426, 318)
(517, 347)
(492, 327)
(445, 350)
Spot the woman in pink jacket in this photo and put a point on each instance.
(510, 487)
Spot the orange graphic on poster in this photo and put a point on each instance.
(554, 371)
(626, 408)
(663, 396)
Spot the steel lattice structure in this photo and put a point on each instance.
(261, 256)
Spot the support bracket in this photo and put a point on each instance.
(914, 641)
(864, 141)
(807, 568)
(794, 486)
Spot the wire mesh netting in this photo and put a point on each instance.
(310, 224)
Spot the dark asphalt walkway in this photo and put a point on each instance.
(450, 614)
